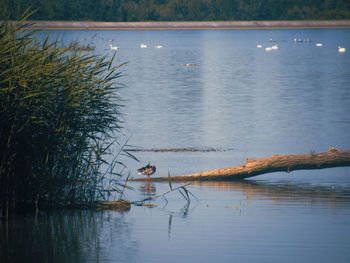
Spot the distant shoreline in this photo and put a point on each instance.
(88, 25)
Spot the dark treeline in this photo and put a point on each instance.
(179, 10)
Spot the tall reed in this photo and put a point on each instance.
(58, 111)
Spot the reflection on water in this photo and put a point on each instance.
(245, 221)
(148, 189)
(259, 190)
(67, 236)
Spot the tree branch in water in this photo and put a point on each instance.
(276, 163)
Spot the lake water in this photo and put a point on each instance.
(232, 96)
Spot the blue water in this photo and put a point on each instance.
(289, 101)
(293, 100)
(238, 98)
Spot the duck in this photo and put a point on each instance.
(143, 45)
(147, 170)
(259, 46)
(113, 47)
(275, 47)
(341, 49)
(268, 48)
(319, 45)
(158, 46)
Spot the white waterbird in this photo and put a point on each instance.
(341, 49)
(113, 47)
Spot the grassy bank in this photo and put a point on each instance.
(69, 25)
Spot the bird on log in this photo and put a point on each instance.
(147, 170)
(276, 163)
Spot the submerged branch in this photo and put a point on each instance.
(189, 149)
(120, 205)
(276, 163)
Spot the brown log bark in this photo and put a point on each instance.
(276, 163)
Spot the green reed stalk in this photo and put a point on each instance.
(58, 111)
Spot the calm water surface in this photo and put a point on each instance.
(236, 97)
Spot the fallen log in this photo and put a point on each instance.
(276, 163)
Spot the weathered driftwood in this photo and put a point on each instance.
(276, 163)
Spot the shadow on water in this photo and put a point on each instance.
(66, 236)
